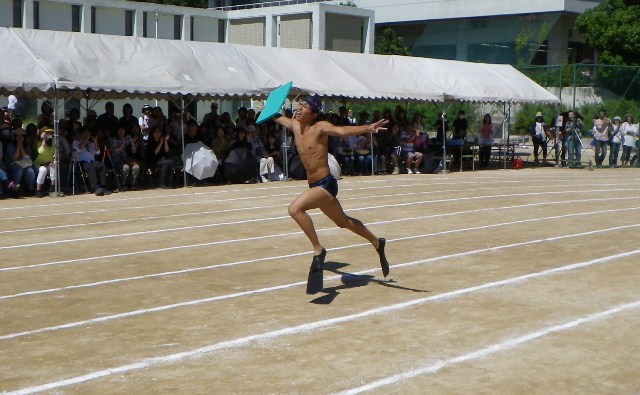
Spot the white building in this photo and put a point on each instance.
(499, 31)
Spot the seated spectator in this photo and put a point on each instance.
(122, 162)
(86, 149)
(258, 149)
(6, 185)
(192, 133)
(391, 146)
(346, 156)
(273, 148)
(412, 158)
(241, 140)
(45, 118)
(158, 156)
(220, 145)
(19, 161)
(363, 158)
(44, 161)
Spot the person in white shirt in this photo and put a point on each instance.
(538, 137)
(86, 148)
(628, 132)
(616, 140)
(143, 121)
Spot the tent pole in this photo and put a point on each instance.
(56, 141)
(444, 142)
(184, 169)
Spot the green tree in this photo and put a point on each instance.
(389, 43)
(612, 29)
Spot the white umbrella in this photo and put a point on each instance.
(199, 160)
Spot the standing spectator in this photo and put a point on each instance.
(573, 134)
(485, 140)
(107, 121)
(19, 161)
(241, 121)
(74, 122)
(145, 121)
(12, 104)
(212, 119)
(91, 121)
(135, 153)
(86, 148)
(127, 120)
(629, 132)
(616, 140)
(460, 126)
(538, 137)
(601, 127)
(158, 156)
(178, 126)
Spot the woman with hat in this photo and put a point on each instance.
(538, 132)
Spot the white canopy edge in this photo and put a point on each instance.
(117, 67)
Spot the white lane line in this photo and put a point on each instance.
(308, 327)
(52, 213)
(388, 182)
(212, 243)
(492, 349)
(182, 228)
(200, 213)
(330, 278)
(210, 267)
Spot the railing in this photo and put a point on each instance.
(266, 4)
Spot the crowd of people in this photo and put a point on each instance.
(569, 129)
(146, 149)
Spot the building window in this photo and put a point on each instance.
(17, 13)
(128, 23)
(75, 18)
(144, 24)
(221, 30)
(36, 15)
(177, 27)
(93, 19)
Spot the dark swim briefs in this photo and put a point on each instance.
(328, 183)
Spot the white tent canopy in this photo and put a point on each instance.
(44, 61)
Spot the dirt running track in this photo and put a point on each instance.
(502, 282)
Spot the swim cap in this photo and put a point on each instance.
(314, 103)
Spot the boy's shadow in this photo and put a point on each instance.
(350, 280)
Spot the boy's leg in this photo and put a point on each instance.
(308, 200)
(333, 210)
